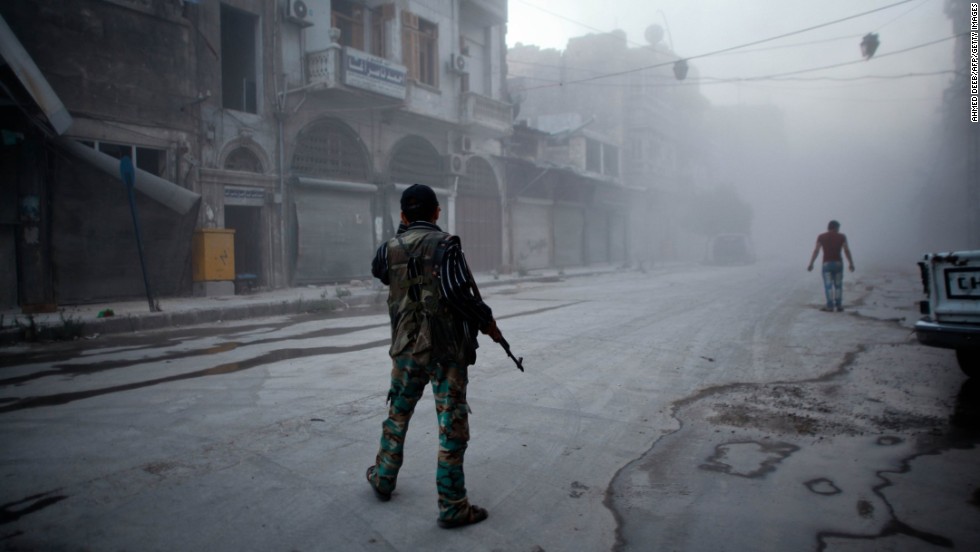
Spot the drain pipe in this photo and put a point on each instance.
(282, 201)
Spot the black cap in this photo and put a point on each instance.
(420, 198)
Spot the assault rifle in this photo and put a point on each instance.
(518, 361)
(503, 342)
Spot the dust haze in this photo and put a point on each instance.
(864, 141)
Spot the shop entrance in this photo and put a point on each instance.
(247, 224)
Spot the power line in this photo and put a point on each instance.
(773, 77)
(732, 48)
(867, 77)
(903, 14)
(794, 45)
(559, 16)
(896, 52)
(754, 50)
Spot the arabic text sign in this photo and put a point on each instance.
(373, 73)
(242, 195)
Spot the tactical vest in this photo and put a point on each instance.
(422, 324)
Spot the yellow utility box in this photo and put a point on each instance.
(213, 251)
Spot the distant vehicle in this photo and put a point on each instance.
(729, 249)
(951, 282)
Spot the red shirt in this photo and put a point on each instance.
(831, 242)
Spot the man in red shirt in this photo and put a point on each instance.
(832, 242)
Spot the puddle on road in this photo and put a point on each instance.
(227, 368)
(79, 368)
(169, 339)
(748, 458)
(52, 353)
(12, 511)
(810, 426)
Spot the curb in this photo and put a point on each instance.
(130, 323)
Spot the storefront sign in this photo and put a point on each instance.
(244, 195)
(373, 73)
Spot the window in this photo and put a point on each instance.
(349, 18)
(239, 73)
(421, 49)
(242, 159)
(593, 155)
(379, 35)
(331, 149)
(151, 160)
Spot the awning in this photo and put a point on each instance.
(163, 191)
(33, 81)
(339, 185)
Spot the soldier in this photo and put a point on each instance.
(435, 311)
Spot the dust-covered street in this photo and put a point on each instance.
(682, 408)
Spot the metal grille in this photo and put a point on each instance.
(330, 149)
(243, 159)
(480, 178)
(478, 217)
(416, 161)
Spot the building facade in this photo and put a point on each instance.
(81, 89)
(330, 109)
(655, 124)
(295, 124)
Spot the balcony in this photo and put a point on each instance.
(323, 68)
(339, 67)
(485, 116)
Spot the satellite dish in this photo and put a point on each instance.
(654, 34)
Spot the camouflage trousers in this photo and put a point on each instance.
(408, 381)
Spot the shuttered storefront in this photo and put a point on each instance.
(333, 229)
(414, 160)
(334, 237)
(569, 235)
(532, 234)
(478, 216)
(605, 237)
(597, 239)
(617, 236)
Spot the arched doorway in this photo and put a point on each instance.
(243, 213)
(333, 233)
(415, 161)
(478, 216)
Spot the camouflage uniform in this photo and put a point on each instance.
(431, 343)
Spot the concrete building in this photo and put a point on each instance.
(82, 88)
(631, 95)
(566, 203)
(295, 124)
(375, 96)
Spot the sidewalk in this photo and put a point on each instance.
(72, 321)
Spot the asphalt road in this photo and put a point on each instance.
(686, 408)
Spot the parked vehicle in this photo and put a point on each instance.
(729, 249)
(951, 312)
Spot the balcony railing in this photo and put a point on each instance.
(323, 67)
(485, 115)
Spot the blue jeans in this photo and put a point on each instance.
(833, 283)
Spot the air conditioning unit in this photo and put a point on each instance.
(464, 144)
(457, 164)
(296, 11)
(458, 64)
